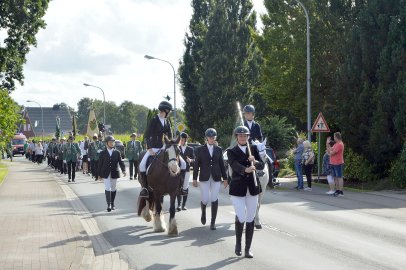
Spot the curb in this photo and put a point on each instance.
(98, 253)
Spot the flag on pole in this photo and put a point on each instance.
(58, 128)
(74, 126)
(92, 124)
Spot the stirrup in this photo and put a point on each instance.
(144, 193)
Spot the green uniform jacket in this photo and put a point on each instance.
(71, 151)
(133, 151)
(92, 151)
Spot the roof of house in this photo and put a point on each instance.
(50, 114)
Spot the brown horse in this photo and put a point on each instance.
(163, 179)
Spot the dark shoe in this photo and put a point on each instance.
(184, 208)
(143, 181)
(249, 233)
(131, 178)
(239, 227)
(214, 207)
(73, 180)
(178, 208)
(113, 197)
(69, 180)
(203, 217)
(258, 226)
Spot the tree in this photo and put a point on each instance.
(21, 20)
(10, 116)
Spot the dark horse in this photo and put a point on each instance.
(164, 179)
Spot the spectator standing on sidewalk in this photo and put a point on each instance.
(39, 152)
(336, 153)
(308, 162)
(328, 172)
(133, 152)
(108, 169)
(298, 152)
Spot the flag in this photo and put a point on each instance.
(58, 128)
(92, 124)
(74, 127)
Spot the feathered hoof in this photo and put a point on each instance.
(159, 223)
(146, 213)
(173, 228)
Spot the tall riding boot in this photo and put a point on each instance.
(113, 197)
(108, 200)
(179, 199)
(184, 202)
(214, 207)
(182, 191)
(203, 217)
(249, 233)
(239, 227)
(143, 181)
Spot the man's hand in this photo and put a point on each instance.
(64, 162)
(194, 182)
(151, 152)
(225, 183)
(250, 169)
(188, 160)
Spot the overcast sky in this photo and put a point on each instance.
(103, 42)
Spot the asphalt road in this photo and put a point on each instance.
(302, 230)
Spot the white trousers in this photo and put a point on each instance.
(143, 163)
(186, 181)
(110, 184)
(245, 207)
(210, 189)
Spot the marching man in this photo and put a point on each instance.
(109, 161)
(243, 189)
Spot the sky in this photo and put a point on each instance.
(103, 43)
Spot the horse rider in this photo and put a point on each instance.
(133, 152)
(253, 127)
(187, 153)
(107, 168)
(209, 169)
(157, 128)
(243, 191)
(71, 154)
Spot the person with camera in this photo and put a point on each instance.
(336, 153)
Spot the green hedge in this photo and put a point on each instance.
(398, 169)
(357, 167)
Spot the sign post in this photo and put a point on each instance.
(320, 125)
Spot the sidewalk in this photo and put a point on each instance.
(40, 227)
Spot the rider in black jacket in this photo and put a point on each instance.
(253, 127)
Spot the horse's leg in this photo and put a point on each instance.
(159, 222)
(173, 228)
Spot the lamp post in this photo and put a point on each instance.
(174, 90)
(42, 117)
(308, 79)
(104, 100)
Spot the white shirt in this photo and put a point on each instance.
(162, 120)
(210, 147)
(183, 148)
(243, 148)
(110, 151)
(249, 124)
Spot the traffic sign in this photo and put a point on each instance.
(181, 127)
(320, 125)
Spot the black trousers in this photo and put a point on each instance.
(308, 172)
(61, 166)
(71, 169)
(133, 168)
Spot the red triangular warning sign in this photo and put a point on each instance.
(320, 125)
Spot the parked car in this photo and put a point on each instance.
(18, 144)
(120, 147)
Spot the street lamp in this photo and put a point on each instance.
(174, 90)
(104, 100)
(308, 79)
(42, 117)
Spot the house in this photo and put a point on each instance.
(33, 121)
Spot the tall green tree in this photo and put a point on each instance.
(21, 21)
(10, 116)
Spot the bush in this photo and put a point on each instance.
(398, 169)
(357, 167)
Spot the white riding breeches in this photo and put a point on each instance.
(186, 181)
(110, 184)
(210, 189)
(143, 163)
(245, 207)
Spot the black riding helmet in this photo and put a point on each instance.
(109, 138)
(210, 132)
(184, 135)
(241, 130)
(166, 107)
(249, 109)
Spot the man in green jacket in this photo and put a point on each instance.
(133, 151)
(71, 154)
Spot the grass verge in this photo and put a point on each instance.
(3, 171)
